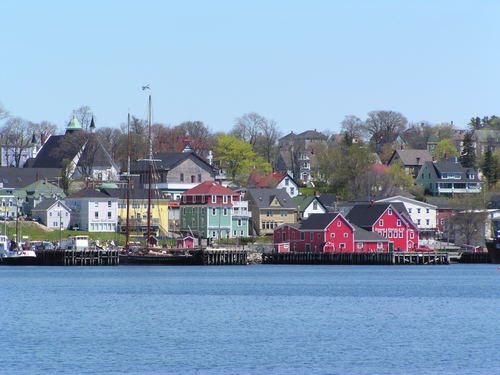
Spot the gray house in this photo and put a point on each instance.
(448, 177)
(53, 213)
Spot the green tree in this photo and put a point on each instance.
(468, 155)
(445, 149)
(490, 167)
(237, 157)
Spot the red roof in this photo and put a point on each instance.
(379, 168)
(210, 188)
(270, 180)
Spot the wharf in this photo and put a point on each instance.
(85, 257)
(390, 258)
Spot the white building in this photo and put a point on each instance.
(93, 211)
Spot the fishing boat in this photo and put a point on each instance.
(493, 243)
(150, 254)
(11, 254)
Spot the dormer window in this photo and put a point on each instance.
(389, 211)
(214, 199)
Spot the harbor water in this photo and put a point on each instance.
(265, 319)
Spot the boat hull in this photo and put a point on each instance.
(164, 260)
(19, 261)
(494, 250)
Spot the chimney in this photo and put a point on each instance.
(42, 139)
(317, 194)
(418, 160)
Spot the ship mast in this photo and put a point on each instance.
(150, 175)
(127, 224)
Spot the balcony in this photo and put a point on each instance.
(458, 188)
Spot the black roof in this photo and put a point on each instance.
(137, 193)
(53, 152)
(15, 178)
(89, 193)
(363, 235)
(365, 215)
(327, 200)
(318, 221)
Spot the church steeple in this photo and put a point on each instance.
(92, 125)
(73, 125)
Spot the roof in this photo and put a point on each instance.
(262, 197)
(365, 215)
(400, 198)
(327, 200)
(74, 124)
(411, 157)
(169, 160)
(308, 134)
(16, 178)
(271, 180)
(362, 235)
(436, 170)
(318, 221)
(89, 193)
(53, 152)
(49, 202)
(303, 201)
(209, 188)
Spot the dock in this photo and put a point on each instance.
(391, 258)
(86, 257)
(225, 257)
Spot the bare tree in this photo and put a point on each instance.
(248, 127)
(384, 126)
(468, 222)
(3, 112)
(16, 138)
(110, 139)
(84, 115)
(352, 128)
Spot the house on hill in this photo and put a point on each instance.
(448, 177)
(274, 180)
(175, 172)
(308, 205)
(411, 160)
(84, 153)
(53, 213)
(269, 209)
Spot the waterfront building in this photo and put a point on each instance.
(270, 208)
(210, 210)
(53, 213)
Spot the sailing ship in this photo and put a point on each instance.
(150, 253)
(493, 243)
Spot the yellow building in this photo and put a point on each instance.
(138, 209)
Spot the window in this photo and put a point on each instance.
(418, 210)
(284, 213)
(319, 236)
(268, 213)
(109, 214)
(359, 245)
(224, 199)
(390, 234)
(213, 211)
(96, 204)
(292, 191)
(224, 212)
(109, 203)
(96, 214)
(287, 181)
(427, 210)
(379, 245)
(409, 210)
(389, 211)
(411, 234)
(311, 236)
(332, 235)
(199, 177)
(381, 223)
(55, 224)
(308, 247)
(234, 233)
(214, 199)
(193, 178)
(302, 235)
(398, 223)
(283, 237)
(315, 205)
(50, 213)
(339, 223)
(342, 245)
(427, 221)
(346, 235)
(418, 221)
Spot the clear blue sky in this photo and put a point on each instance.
(305, 64)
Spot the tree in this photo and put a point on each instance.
(237, 157)
(110, 138)
(260, 132)
(197, 133)
(445, 149)
(468, 154)
(84, 115)
(468, 221)
(417, 135)
(383, 127)
(3, 112)
(16, 138)
(352, 128)
(444, 130)
(490, 167)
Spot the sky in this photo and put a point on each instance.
(304, 64)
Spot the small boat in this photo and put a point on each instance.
(13, 255)
(79, 242)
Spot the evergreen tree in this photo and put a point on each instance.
(490, 168)
(468, 154)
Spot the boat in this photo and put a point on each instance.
(493, 243)
(150, 254)
(78, 243)
(13, 255)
